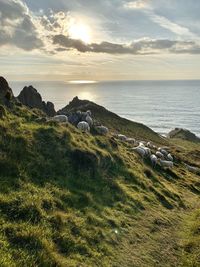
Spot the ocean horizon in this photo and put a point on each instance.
(160, 104)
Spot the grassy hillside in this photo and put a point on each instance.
(73, 199)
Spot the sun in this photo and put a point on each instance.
(80, 31)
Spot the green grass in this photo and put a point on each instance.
(73, 199)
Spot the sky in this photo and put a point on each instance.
(69, 40)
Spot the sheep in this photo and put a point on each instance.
(169, 157)
(75, 118)
(163, 151)
(147, 150)
(60, 118)
(192, 169)
(142, 143)
(102, 130)
(154, 160)
(136, 143)
(89, 120)
(140, 151)
(159, 155)
(150, 145)
(83, 126)
(130, 140)
(89, 113)
(121, 137)
(166, 164)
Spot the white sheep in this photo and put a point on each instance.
(159, 155)
(142, 143)
(89, 120)
(192, 169)
(102, 130)
(147, 150)
(60, 118)
(89, 113)
(122, 137)
(150, 145)
(136, 142)
(154, 160)
(169, 157)
(140, 151)
(163, 151)
(166, 163)
(130, 140)
(83, 126)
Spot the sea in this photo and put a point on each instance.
(161, 105)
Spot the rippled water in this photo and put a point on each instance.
(162, 105)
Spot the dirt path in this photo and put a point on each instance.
(156, 238)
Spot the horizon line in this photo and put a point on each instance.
(82, 81)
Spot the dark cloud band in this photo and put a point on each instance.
(141, 47)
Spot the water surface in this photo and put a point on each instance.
(161, 105)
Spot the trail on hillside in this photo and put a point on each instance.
(158, 238)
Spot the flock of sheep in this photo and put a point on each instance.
(160, 155)
(84, 122)
(144, 149)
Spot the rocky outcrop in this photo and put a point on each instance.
(6, 94)
(30, 97)
(112, 121)
(183, 134)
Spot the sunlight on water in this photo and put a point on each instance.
(86, 95)
(82, 82)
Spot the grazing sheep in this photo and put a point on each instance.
(136, 143)
(142, 143)
(130, 140)
(154, 160)
(60, 118)
(89, 113)
(83, 126)
(163, 151)
(102, 130)
(192, 169)
(122, 137)
(169, 157)
(159, 155)
(166, 164)
(89, 120)
(147, 150)
(140, 151)
(150, 145)
(75, 118)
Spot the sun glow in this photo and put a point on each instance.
(80, 31)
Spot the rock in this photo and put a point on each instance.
(6, 94)
(30, 97)
(183, 134)
(50, 110)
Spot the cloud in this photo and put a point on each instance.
(139, 47)
(173, 27)
(17, 27)
(152, 10)
(137, 4)
(50, 33)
